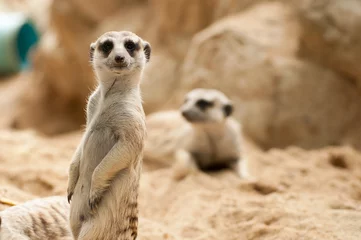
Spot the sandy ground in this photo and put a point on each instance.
(297, 194)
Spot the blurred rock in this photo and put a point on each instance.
(62, 77)
(160, 81)
(279, 100)
(187, 17)
(331, 35)
(96, 11)
(182, 17)
(177, 21)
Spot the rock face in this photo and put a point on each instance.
(331, 35)
(280, 100)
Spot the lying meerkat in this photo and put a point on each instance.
(39, 219)
(202, 135)
(105, 169)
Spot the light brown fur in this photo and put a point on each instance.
(39, 219)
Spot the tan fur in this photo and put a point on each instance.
(39, 219)
(105, 170)
(206, 139)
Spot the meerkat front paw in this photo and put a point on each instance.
(95, 198)
(70, 195)
(73, 176)
(70, 190)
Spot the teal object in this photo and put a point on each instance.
(17, 36)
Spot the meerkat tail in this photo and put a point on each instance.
(8, 202)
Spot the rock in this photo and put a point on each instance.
(62, 76)
(331, 36)
(279, 100)
(96, 11)
(160, 81)
(54, 97)
(182, 17)
(187, 17)
(229, 7)
(176, 22)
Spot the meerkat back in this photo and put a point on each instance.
(167, 132)
(39, 219)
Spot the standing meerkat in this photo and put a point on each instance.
(202, 135)
(105, 169)
(38, 219)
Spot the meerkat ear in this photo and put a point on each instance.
(228, 109)
(91, 51)
(147, 50)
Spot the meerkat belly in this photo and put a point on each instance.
(97, 144)
(208, 162)
(117, 214)
(215, 153)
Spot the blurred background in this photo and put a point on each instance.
(292, 68)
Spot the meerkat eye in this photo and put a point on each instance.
(107, 46)
(203, 104)
(130, 45)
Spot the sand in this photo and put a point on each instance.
(296, 194)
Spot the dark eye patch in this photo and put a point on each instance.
(203, 104)
(228, 110)
(131, 46)
(106, 47)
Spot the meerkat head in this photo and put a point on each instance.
(206, 106)
(119, 53)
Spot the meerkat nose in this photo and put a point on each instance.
(119, 59)
(185, 114)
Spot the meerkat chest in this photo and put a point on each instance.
(213, 150)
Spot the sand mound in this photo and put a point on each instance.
(297, 194)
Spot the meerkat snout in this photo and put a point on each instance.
(206, 105)
(119, 59)
(119, 53)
